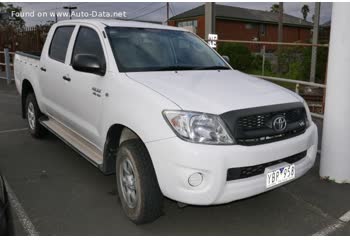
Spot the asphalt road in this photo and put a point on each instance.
(63, 194)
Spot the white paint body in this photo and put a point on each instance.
(136, 100)
(335, 163)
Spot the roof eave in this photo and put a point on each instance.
(266, 22)
(242, 20)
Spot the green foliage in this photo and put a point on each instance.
(242, 59)
(257, 64)
(275, 8)
(296, 63)
(305, 11)
(321, 65)
(290, 62)
(240, 56)
(294, 70)
(16, 22)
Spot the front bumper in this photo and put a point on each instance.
(175, 160)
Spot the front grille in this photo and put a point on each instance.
(253, 122)
(246, 172)
(254, 126)
(269, 138)
(260, 121)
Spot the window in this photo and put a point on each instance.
(250, 26)
(187, 23)
(191, 23)
(88, 42)
(137, 49)
(262, 29)
(59, 43)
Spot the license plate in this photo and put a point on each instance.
(279, 175)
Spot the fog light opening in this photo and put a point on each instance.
(195, 179)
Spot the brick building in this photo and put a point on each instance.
(325, 32)
(234, 23)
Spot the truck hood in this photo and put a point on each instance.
(214, 91)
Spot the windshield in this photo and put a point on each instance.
(145, 49)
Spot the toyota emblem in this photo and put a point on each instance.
(279, 123)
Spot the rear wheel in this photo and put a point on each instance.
(33, 114)
(138, 188)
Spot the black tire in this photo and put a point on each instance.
(149, 203)
(35, 128)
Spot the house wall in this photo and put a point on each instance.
(200, 21)
(324, 34)
(247, 31)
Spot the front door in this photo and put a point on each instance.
(85, 91)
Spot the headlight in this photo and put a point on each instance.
(198, 127)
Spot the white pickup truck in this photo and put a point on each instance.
(163, 111)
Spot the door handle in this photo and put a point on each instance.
(66, 78)
(43, 69)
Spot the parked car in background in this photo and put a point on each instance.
(159, 108)
(6, 225)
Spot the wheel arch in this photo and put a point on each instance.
(116, 134)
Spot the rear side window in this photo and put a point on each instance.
(59, 43)
(88, 42)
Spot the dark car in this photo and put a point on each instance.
(5, 222)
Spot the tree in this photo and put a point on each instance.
(16, 22)
(305, 11)
(275, 8)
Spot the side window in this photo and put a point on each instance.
(59, 43)
(88, 42)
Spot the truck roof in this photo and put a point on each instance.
(120, 23)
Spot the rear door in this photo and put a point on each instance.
(85, 91)
(53, 67)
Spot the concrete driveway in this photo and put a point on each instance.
(58, 192)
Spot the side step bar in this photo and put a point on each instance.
(86, 149)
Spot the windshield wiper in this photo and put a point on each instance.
(213, 68)
(179, 68)
(174, 68)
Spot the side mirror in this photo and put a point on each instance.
(227, 59)
(88, 63)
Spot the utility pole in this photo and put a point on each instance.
(315, 41)
(280, 22)
(70, 8)
(209, 18)
(167, 11)
(280, 34)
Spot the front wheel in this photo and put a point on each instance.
(138, 188)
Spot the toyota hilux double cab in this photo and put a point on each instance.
(165, 113)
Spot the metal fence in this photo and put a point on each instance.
(7, 65)
(23, 39)
(29, 39)
(297, 85)
(313, 93)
